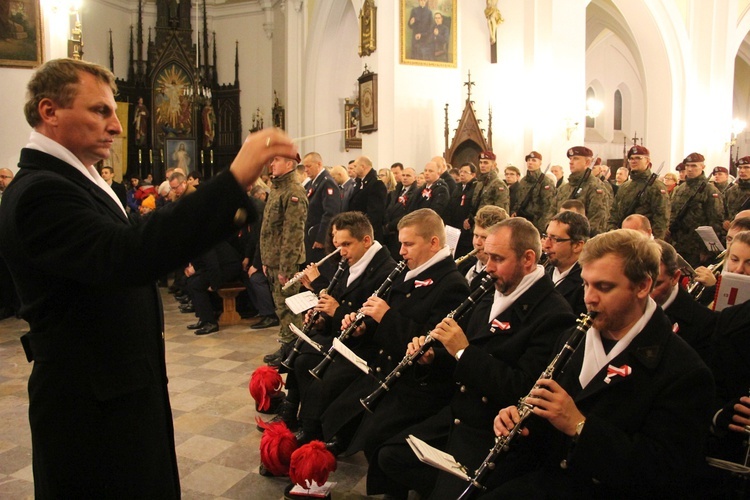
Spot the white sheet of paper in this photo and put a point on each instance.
(436, 458)
(302, 301)
(349, 354)
(452, 235)
(731, 290)
(304, 337)
(708, 235)
(314, 490)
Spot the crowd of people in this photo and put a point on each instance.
(455, 337)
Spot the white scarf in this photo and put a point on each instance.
(474, 270)
(558, 276)
(357, 269)
(594, 357)
(503, 302)
(44, 144)
(441, 254)
(672, 296)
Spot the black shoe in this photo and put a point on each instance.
(198, 325)
(184, 299)
(207, 328)
(173, 289)
(305, 437)
(266, 322)
(275, 359)
(276, 401)
(180, 295)
(187, 308)
(335, 446)
(287, 414)
(265, 472)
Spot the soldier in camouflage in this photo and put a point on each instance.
(737, 197)
(282, 245)
(540, 206)
(720, 178)
(490, 189)
(591, 192)
(692, 208)
(653, 203)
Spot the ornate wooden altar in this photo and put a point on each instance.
(468, 141)
(179, 115)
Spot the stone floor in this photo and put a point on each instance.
(214, 415)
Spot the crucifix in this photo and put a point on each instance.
(635, 139)
(469, 84)
(494, 18)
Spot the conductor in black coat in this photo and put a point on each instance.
(101, 424)
(369, 195)
(508, 341)
(324, 202)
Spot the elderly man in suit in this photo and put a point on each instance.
(324, 202)
(369, 195)
(101, 423)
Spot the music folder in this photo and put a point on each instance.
(436, 458)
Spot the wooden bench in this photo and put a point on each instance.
(228, 294)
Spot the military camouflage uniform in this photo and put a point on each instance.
(282, 244)
(735, 197)
(721, 186)
(706, 209)
(593, 195)
(540, 208)
(654, 204)
(490, 190)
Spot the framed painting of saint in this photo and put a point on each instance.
(428, 32)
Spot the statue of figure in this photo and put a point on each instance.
(140, 123)
(492, 13)
(209, 125)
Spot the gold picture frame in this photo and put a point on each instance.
(352, 137)
(368, 102)
(21, 35)
(428, 32)
(368, 28)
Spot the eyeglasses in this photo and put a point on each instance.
(636, 158)
(555, 239)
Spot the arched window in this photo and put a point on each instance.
(618, 110)
(590, 121)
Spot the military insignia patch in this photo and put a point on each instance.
(546, 188)
(294, 199)
(330, 191)
(599, 191)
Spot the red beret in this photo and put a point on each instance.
(580, 151)
(722, 170)
(745, 160)
(638, 150)
(694, 158)
(680, 167)
(487, 155)
(534, 154)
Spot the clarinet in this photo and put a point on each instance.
(370, 401)
(288, 363)
(525, 410)
(318, 371)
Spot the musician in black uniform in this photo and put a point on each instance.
(628, 416)
(691, 320)
(563, 243)
(473, 268)
(419, 298)
(368, 265)
(508, 341)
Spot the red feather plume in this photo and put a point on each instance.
(311, 462)
(276, 447)
(265, 382)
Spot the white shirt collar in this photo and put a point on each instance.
(441, 254)
(357, 269)
(502, 302)
(672, 296)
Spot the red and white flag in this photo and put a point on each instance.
(613, 371)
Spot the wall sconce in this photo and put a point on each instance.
(593, 107)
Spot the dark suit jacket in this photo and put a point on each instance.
(459, 209)
(693, 322)
(451, 183)
(99, 411)
(370, 200)
(121, 193)
(498, 368)
(571, 287)
(644, 432)
(324, 202)
(435, 197)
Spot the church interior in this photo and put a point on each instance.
(343, 78)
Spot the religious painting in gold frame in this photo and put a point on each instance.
(368, 102)
(428, 32)
(368, 28)
(21, 34)
(352, 137)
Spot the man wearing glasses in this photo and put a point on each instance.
(562, 243)
(737, 196)
(653, 204)
(705, 208)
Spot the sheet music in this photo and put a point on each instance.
(314, 490)
(436, 458)
(302, 301)
(452, 235)
(732, 289)
(708, 235)
(349, 354)
(304, 337)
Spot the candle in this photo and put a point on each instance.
(212, 156)
(140, 152)
(151, 156)
(201, 156)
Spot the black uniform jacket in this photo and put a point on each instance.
(370, 199)
(501, 365)
(571, 287)
(99, 410)
(693, 322)
(324, 202)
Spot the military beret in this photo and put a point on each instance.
(533, 154)
(487, 155)
(720, 170)
(580, 151)
(680, 167)
(745, 160)
(638, 150)
(694, 158)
